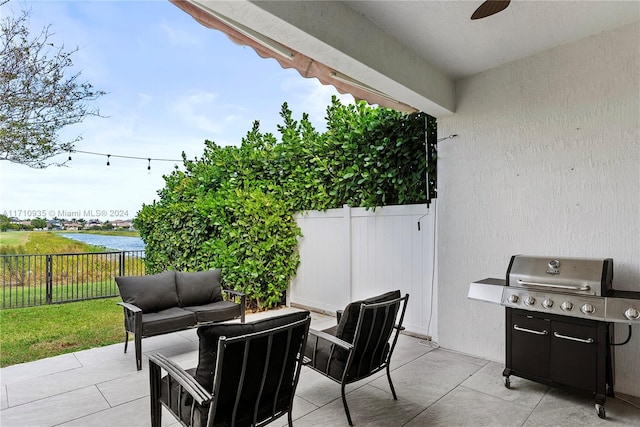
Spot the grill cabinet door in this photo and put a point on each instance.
(530, 345)
(574, 355)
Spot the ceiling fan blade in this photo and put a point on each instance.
(489, 8)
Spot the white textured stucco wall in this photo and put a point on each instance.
(547, 162)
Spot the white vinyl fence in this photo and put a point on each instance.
(353, 253)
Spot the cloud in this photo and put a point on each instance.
(203, 110)
(196, 108)
(144, 99)
(180, 38)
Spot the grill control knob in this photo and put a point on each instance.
(548, 303)
(529, 300)
(632, 314)
(513, 298)
(566, 306)
(588, 309)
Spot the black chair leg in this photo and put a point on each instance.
(138, 352)
(290, 418)
(156, 408)
(346, 407)
(126, 340)
(393, 390)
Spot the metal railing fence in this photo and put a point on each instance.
(30, 280)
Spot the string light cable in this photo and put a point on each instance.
(109, 156)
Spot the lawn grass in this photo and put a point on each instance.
(25, 296)
(13, 238)
(34, 333)
(42, 242)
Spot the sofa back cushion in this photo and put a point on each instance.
(198, 288)
(150, 293)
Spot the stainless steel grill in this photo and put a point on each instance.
(575, 287)
(559, 321)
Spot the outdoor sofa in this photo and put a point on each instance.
(172, 301)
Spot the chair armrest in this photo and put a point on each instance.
(332, 339)
(235, 293)
(177, 374)
(243, 301)
(321, 335)
(132, 308)
(132, 318)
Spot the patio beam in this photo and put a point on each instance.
(338, 37)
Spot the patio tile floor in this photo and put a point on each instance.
(435, 387)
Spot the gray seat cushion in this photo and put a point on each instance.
(198, 288)
(150, 293)
(169, 320)
(216, 311)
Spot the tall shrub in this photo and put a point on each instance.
(233, 208)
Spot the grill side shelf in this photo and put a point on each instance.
(488, 290)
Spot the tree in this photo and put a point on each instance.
(39, 95)
(39, 223)
(4, 222)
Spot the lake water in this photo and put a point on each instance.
(118, 243)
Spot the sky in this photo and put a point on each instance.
(171, 84)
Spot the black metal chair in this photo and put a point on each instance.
(246, 375)
(361, 344)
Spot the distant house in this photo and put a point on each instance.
(72, 226)
(54, 225)
(93, 223)
(122, 224)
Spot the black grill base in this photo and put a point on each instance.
(539, 348)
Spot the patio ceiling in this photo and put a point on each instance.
(405, 54)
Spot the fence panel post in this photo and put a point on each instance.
(49, 279)
(122, 261)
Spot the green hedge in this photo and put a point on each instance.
(233, 208)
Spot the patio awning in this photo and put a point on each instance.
(288, 58)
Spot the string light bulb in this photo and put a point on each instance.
(108, 157)
(149, 166)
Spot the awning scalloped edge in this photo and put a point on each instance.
(307, 67)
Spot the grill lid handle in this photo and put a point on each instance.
(549, 285)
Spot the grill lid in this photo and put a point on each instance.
(581, 276)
